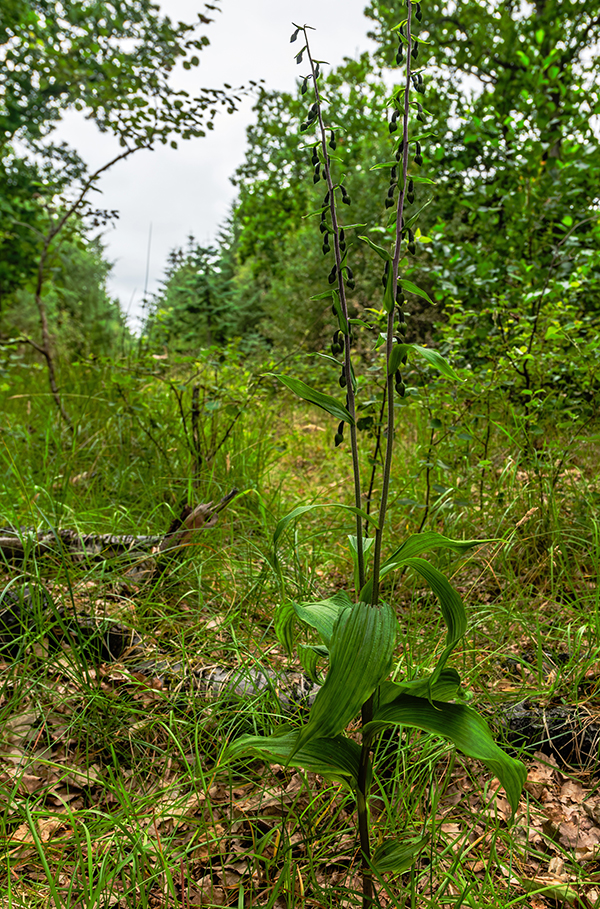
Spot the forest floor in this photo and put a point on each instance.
(115, 787)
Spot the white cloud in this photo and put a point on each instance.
(188, 190)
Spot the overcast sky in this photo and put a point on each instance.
(174, 193)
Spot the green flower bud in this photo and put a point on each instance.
(338, 439)
(332, 275)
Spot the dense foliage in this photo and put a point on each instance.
(112, 62)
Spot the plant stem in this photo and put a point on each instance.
(375, 455)
(362, 807)
(367, 709)
(346, 329)
(389, 448)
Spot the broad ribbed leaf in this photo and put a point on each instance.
(303, 509)
(336, 757)
(284, 626)
(397, 857)
(323, 614)
(417, 543)
(462, 726)
(326, 402)
(452, 607)
(360, 656)
(309, 657)
(413, 546)
(443, 689)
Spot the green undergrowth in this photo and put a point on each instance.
(113, 787)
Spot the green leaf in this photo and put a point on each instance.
(378, 249)
(416, 178)
(360, 657)
(413, 546)
(452, 608)
(436, 360)
(326, 402)
(413, 218)
(413, 289)
(462, 726)
(382, 166)
(322, 296)
(398, 351)
(422, 136)
(336, 757)
(418, 543)
(309, 657)
(284, 626)
(443, 689)
(303, 509)
(368, 543)
(389, 300)
(397, 857)
(323, 614)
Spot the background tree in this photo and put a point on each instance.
(113, 63)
